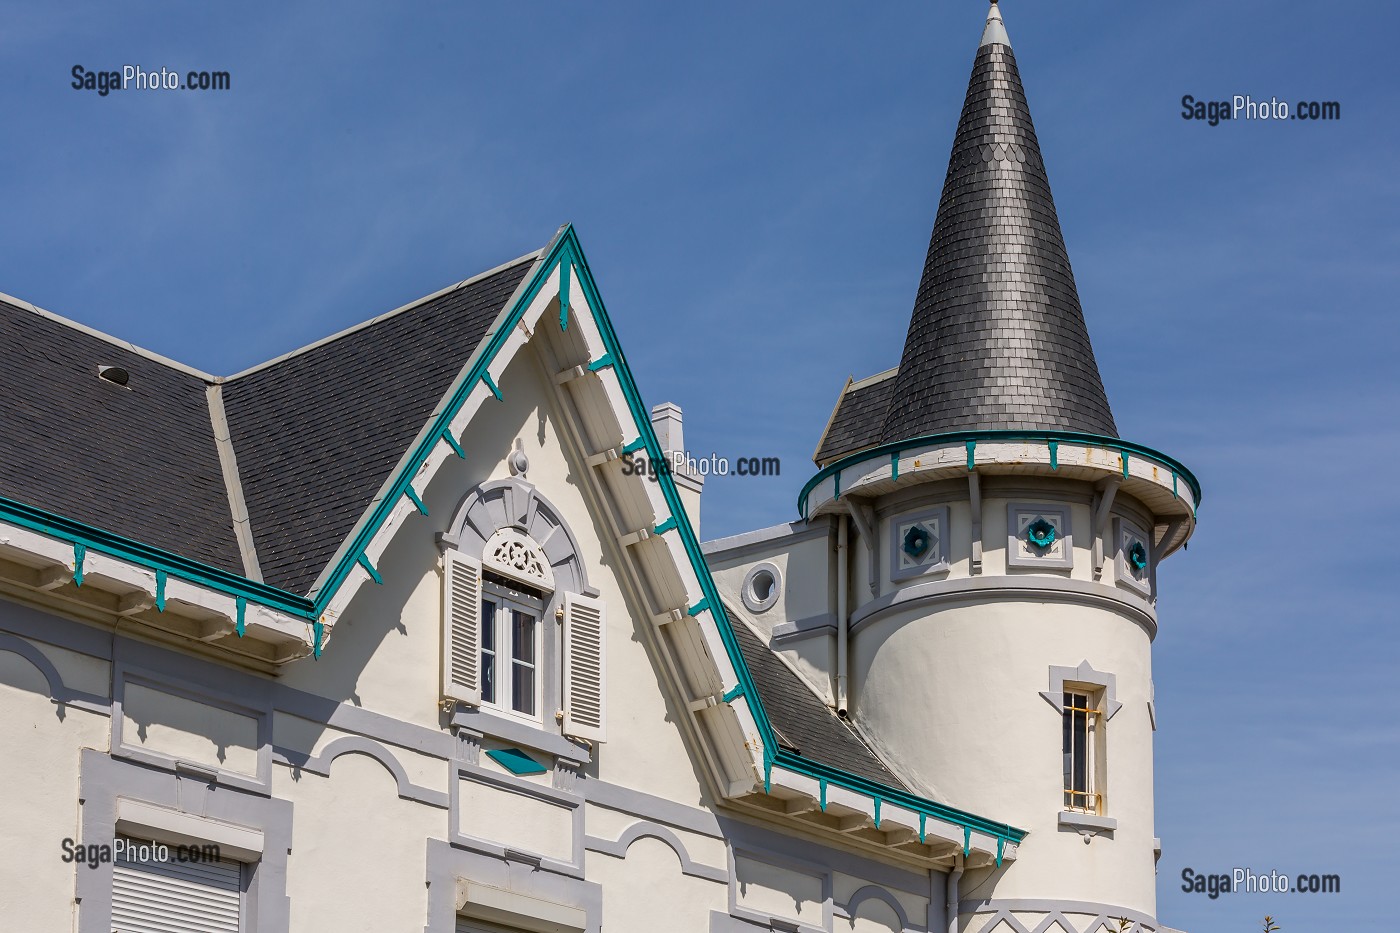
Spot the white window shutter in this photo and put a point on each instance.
(584, 623)
(461, 627)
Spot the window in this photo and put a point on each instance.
(1082, 738)
(510, 638)
(158, 887)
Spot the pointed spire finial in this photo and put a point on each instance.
(995, 32)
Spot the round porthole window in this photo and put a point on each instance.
(762, 587)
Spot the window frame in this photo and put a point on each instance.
(509, 598)
(1093, 746)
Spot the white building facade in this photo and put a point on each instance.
(387, 634)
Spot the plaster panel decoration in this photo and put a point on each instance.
(1038, 536)
(918, 543)
(511, 553)
(1134, 557)
(519, 534)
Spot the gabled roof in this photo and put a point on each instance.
(997, 339)
(317, 432)
(314, 434)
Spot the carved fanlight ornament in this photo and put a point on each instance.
(515, 555)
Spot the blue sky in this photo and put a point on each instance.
(754, 184)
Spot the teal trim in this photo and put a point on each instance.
(515, 761)
(1001, 848)
(971, 456)
(635, 446)
(564, 304)
(666, 526)
(369, 569)
(79, 555)
(317, 629)
(1123, 457)
(160, 590)
(694, 612)
(821, 786)
(86, 538)
(877, 812)
(1061, 437)
(413, 497)
(452, 442)
(894, 466)
(1054, 454)
(601, 362)
(734, 693)
(967, 841)
(767, 774)
(922, 827)
(1174, 495)
(240, 614)
(836, 485)
(491, 384)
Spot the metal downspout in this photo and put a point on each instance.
(842, 619)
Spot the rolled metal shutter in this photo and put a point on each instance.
(176, 897)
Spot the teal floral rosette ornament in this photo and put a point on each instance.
(916, 542)
(1137, 556)
(1040, 534)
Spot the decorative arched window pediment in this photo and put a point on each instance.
(514, 554)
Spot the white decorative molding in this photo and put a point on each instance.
(1129, 538)
(1024, 518)
(919, 543)
(515, 555)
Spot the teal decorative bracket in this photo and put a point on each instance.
(877, 812)
(635, 446)
(695, 610)
(923, 827)
(79, 555)
(1001, 847)
(733, 694)
(241, 614)
(160, 590)
(1054, 454)
(971, 456)
(1174, 493)
(369, 568)
(565, 273)
(767, 774)
(316, 629)
(1123, 457)
(413, 497)
(967, 841)
(601, 362)
(668, 525)
(822, 786)
(836, 485)
(491, 384)
(894, 466)
(452, 442)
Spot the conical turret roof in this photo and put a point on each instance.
(997, 340)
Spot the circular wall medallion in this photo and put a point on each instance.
(762, 586)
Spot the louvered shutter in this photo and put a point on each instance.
(176, 897)
(584, 713)
(461, 628)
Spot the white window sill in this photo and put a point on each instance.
(509, 729)
(1087, 821)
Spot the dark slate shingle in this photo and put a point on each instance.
(317, 434)
(804, 723)
(857, 419)
(138, 461)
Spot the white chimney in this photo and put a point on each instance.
(667, 422)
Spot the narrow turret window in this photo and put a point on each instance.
(1082, 739)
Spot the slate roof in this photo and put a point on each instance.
(315, 433)
(858, 418)
(137, 461)
(997, 339)
(805, 725)
(318, 433)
